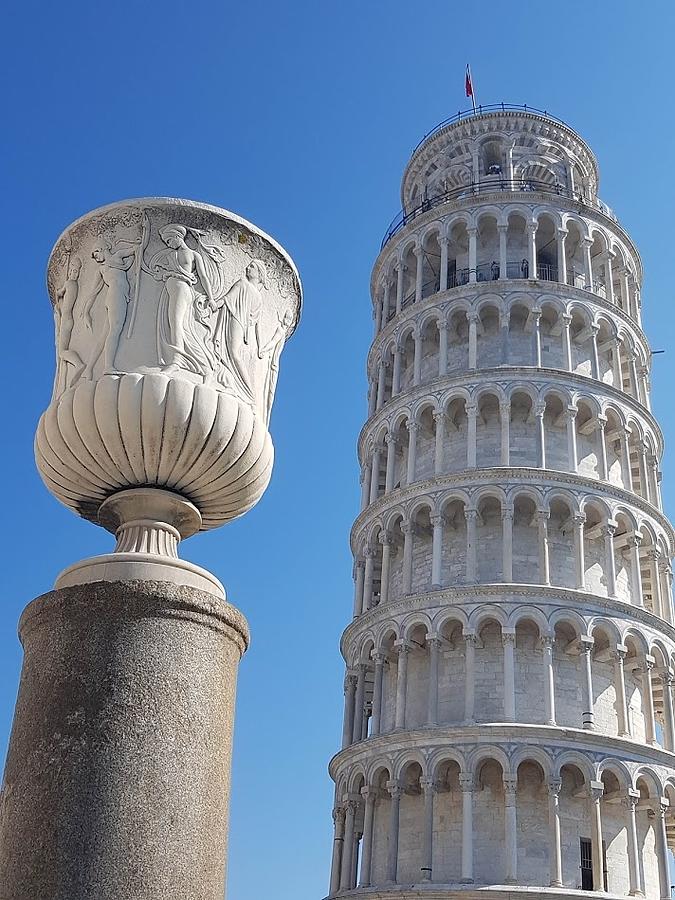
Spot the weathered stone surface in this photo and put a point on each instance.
(118, 775)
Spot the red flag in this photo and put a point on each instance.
(468, 84)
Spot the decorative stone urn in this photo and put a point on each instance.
(170, 320)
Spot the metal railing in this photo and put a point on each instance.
(491, 185)
(488, 108)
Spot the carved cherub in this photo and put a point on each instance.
(66, 297)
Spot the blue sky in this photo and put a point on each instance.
(299, 116)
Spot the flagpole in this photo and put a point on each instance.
(473, 89)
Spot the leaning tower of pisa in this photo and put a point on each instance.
(508, 725)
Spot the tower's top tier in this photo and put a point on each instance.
(499, 143)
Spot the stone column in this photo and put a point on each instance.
(630, 802)
(443, 279)
(549, 680)
(367, 602)
(587, 243)
(587, 715)
(396, 373)
(502, 229)
(626, 473)
(386, 540)
(555, 863)
(609, 277)
(634, 541)
(536, 337)
(439, 423)
(472, 413)
(346, 869)
(509, 641)
(504, 333)
(408, 530)
(595, 359)
(542, 525)
(579, 522)
(472, 232)
(608, 531)
(400, 269)
(532, 248)
(419, 273)
(350, 708)
(596, 792)
(402, 648)
(413, 428)
(392, 443)
(653, 555)
(567, 343)
(381, 382)
(442, 348)
(539, 411)
(511, 828)
(385, 302)
(379, 658)
(648, 699)
(437, 523)
(507, 545)
(473, 338)
(505, 420)
(601, 448)
(395, 792)
(417, 357)
(434, 645)
(359, 700)
(471, 516)
(338, 844)
(617, 373)
(571, 420)
(365, 486)
(369, 795)
(466, 786)
(634, 384)
(469, 677)
(620, 689)
(662, 848)
(666, 676)
(561, 234)
(375, 475)
(429, 789)
(359, 567)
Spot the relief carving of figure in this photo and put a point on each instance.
(236, 334)
(66, 298)
(182, 327)
(113, 283)
(273, 348)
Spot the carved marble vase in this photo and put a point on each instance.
(170, 320)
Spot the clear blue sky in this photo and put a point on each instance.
(299, 116)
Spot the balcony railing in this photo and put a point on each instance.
(491, 185)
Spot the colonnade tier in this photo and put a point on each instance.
(523, 328)
(497, 807)
(502, 243)
(509, 719)
(513, 421)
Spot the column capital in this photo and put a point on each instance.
(510, 783)
(369, 553)
(471, 230)
(408, 527)
(395, 790)
(543, 515)
(352, 806)
(562, 232)
(546, 641)
(470, 513)
(433, 638)
(438, 521)
(439, 416)
(385, 538)
(566, 319)
(587, 242)
(667, 677)
(466, 784)
(351, 679)
(412, 426)
(539, 409)
(579, 520)
(586, 643)
(662, 807)
(472, 316)
(378, 656)
(383, 363)
(471, 409)
(554, 786)
(609, 529)
(390, 438)
(505, 407)
(418, 250)
(532, 226)
(507, 514)
(632, 798)
(443, 239)
(338, 814)
(654, 554)
(634, 540)
(369, 793)
(502, 229)
(596, 790)
(402, 647)
(428, 785)
(647, 663)
(571, 412)
(442, 325)
(508, 637)
(620, 652)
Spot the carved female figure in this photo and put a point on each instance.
(66, 298)
(273, 347)
(182, 333)
(236, 335)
